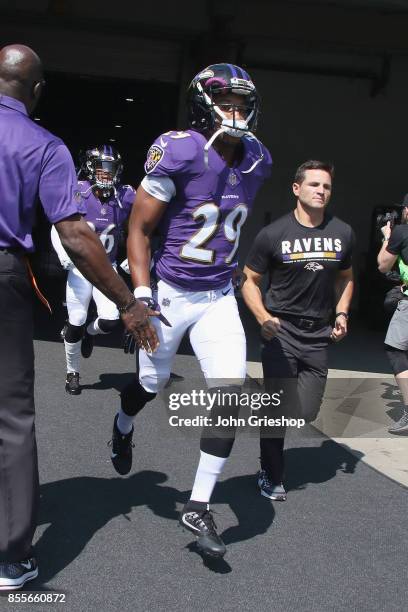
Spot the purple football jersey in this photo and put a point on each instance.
(106, 217)
(201, 226)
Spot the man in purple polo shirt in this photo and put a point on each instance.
(35, 164)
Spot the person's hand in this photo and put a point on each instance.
(139, 330)
(238, 278)
(270, 328)
(339, 330)
(386, 230)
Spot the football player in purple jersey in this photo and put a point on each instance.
(108, 205)
(199, 188)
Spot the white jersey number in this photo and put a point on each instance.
(106, 237)
(195, 250)
(232, 228)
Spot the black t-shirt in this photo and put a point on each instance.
(398, 244)
(302, 263)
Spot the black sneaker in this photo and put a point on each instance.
(401, 426)
(15, 575)
(72, 383)
(273, 491)
(201, 523)
(122, 445)
(87, 345)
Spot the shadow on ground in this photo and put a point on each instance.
(76, 508)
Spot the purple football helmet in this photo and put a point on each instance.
(206, 116)
(100, 161)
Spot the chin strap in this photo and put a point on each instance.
(257, 161)
(116, 196)
(224, 129)
(209, 143)
(86, 190)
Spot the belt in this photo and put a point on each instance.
(304, 323)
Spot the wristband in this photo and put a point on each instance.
(342, 313)
(142, 291)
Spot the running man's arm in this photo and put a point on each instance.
(344, 287)
(144, 218)
(252, 295)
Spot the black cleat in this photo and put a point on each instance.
(15, 575)
(87, 345)
(122, 445)
(201, 523)
(72, 383)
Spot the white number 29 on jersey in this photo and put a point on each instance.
(106, 237)
(195, 249)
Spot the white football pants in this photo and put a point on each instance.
(79, 294)
(215, 330)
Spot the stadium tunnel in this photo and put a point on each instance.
(332, 75)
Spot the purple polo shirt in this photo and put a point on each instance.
(34, 164)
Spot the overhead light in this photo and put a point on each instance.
(112, 139)
(129, 99)
(118, 126)
(37, 119)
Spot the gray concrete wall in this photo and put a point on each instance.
(310, 116)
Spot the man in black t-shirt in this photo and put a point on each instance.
(395, 250)
(307, 254)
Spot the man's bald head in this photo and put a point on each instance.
(21, 74)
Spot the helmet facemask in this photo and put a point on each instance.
(105, 173)
(206, 107)
(103, 167)
(215, 88)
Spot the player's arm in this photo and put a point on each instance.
(343, 287)
(252, 295)
(62, 255)
(144, 218)
(385, 259)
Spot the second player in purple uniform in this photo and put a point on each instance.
(198, 190)
(108, 217)
(108, 205)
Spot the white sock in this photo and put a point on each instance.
(209, 468)
(73, 355)
(124, 422)
(93, 328)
